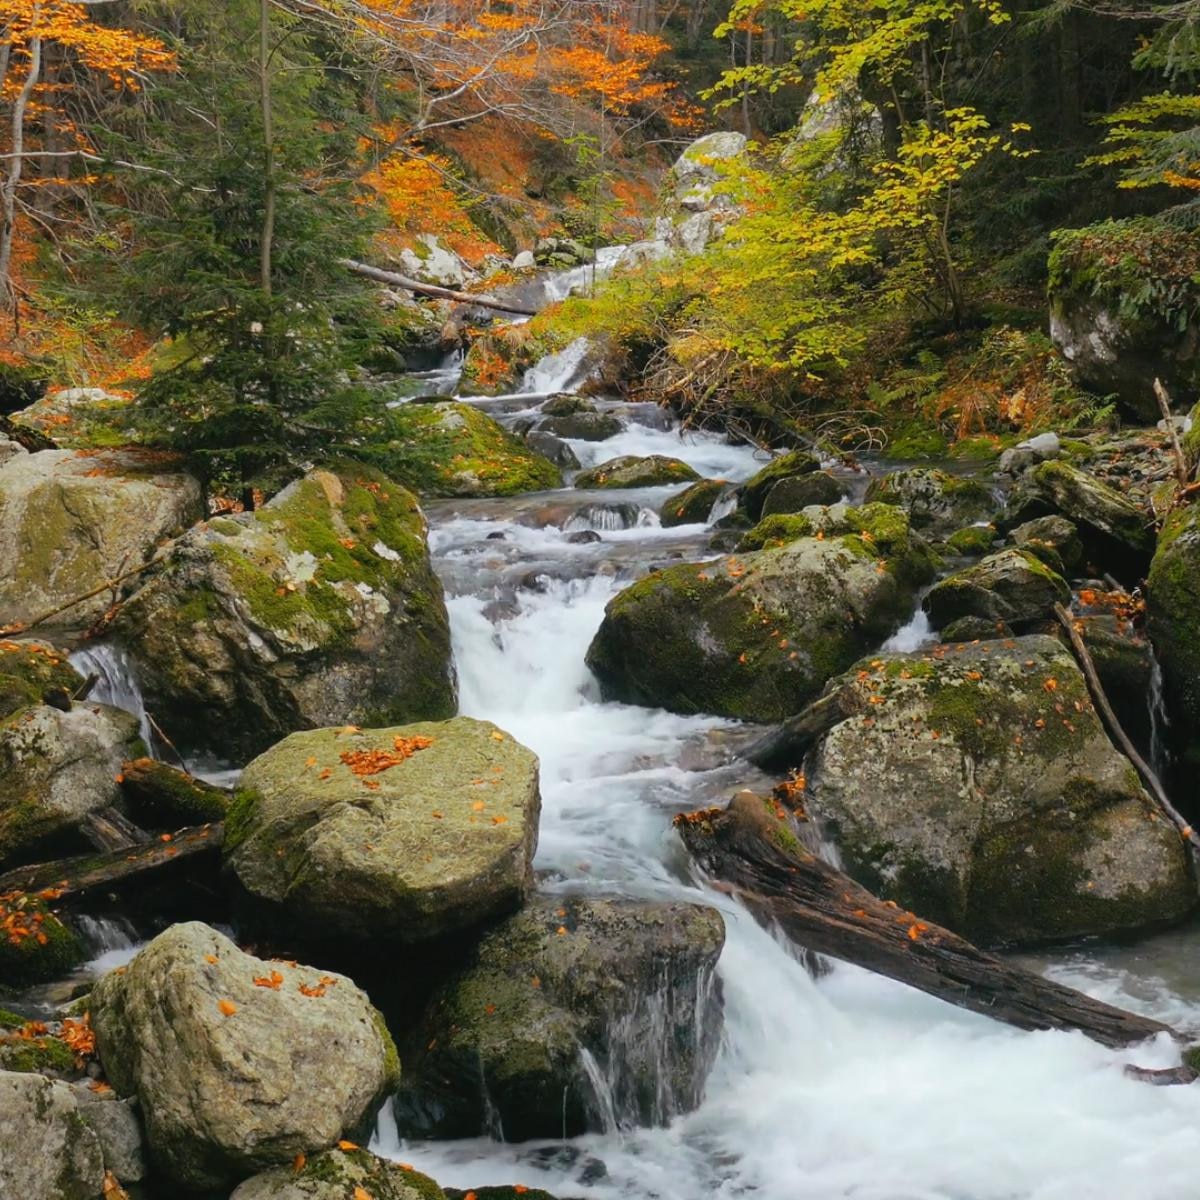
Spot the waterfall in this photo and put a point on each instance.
(1160, 758)
(562, 371)
(116, 682)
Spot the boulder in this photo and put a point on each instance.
(82, 418)
(786, 466)
(693, 505)
(69, 522)
(1115, 533)
(341, 1175)
(238, 1064)
(630, 471)
(757, 636)
(1019, 458)
(975, 786)
(454, 449)
(10, 449)
(1054, 540)
(57, 767)
(47, 1152)
(401, 835)
(36, 948)
(320, 608)
(1173, 622)
(798, 492)
(552, 448)
(1012, 586)
(585, 425)
(428, 261)
(625, 985)
(114, 1122)
(935, 501)
(32, 672)
(524, 260)
(972, 541)
(697, 170)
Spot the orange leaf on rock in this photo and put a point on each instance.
(273, 981)
(345, 1145)
(298, 1163)
(227, 1007)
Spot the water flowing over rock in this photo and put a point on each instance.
(1012, 586)
(694, 504)
(426, 845)
(975, 785)
(578, 1013)
(757, 636)
(320, 608)
(70, 522)
(238, 1064)
(57, 767)
(47, 1152)
(340, 1175)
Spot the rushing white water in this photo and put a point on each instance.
(561, 284)
(915, 633)
(850, 1086)
(560, 371)
(116, 681)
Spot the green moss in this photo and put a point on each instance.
(973, 541)
(240, 818)
(10, 1020)
(48, 950)
(755, 489)
(166, 798)
(28, 670)
(916, 441)
(391, 1055)
(629, 470)
(41, 1055)
(776, 530)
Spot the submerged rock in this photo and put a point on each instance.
(341, 1175)
(553, 448)
(630, 471)
(238, 1064)
(47, 1152)
(454, 449)
(1010, 586)
(935, 501)
(569, 416)
(57, 767)
(338, 835)
(320, 608)
(757, 636)
(69, 522)
(978, 789)
(628, 983)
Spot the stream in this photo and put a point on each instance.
(846, 1086)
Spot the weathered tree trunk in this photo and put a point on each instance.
(751, 847)
(8, 195)
(72, 876)
(432, 289)
(267, 245)
(108, 829)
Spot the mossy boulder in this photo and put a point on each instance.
(31, 671)
(630, 471)
(83, 418)
(321, 608)
(975, 786)
(340, 1175)
(1173, 621)
(69, 522)
(757, 636)
(454, 449)
(786, 466)
(55, 768)
(238, 1064)
(936, 501)
(47, 1152)
(424, 846)
(1116, 534)
(35, 946)
(693, 505)
(797, 492)
(1054, 540)
(974, 541)
(30, 1052)
(629, 982)
(569, 416)
(1011, 585)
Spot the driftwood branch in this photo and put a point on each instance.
(107, 585)
(108, 829)
(750, 847)
(432, 289)
(1164, 404)
(73, 876)
(1149, 778)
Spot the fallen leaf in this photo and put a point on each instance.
(497, 736)
(361, 1193)
(345, 1145)
(273, 981)
(210, 958)
(298, 1163)
(227, 1007)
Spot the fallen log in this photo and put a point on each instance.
(74, 876)
(786, 746)
(109, 829)
(750, 846)
(431, 289)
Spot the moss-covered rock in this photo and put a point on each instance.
(35, 946)
(55, 768)
(340, 1175)
(758, 636)
(787, 466)
(976, 786)
(1054, 540)
(1115, 533)
(569, 416)
(631, 982)
(454, 449)
(1173, 620)
(630, 471)
(83, 418)
(160, 796)
(34, 1053)
(321, 608)
(339, 835)
(1012, 586)
(30, 671)
(693, 505)
(974, 541)
(796, 492)
(238, 1064)
(70, 522)
(936, 501)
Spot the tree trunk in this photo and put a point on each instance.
(8, 195)
(750, 846)
(430, 289)
(268, 128)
